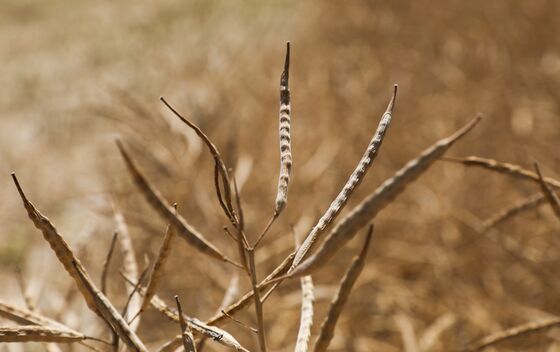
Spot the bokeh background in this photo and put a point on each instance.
(76, 74)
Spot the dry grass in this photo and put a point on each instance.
(464, 258)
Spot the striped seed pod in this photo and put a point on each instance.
(285, 139)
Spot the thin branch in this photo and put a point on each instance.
(257, 300)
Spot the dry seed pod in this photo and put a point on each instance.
(216, 334)
(528, 203)
(110, 313)
(353, 182)
(157, 271)
(27, 317)
(337, 304)
(57, 244)
(383, 195)
(30, 304)
(514, 332)
(549, 193)
(34, 333)
(220, 166)
(285, 139)
(306, 319)
(503, 168)
(130, 266)
(156, 200)
(107, 263)
(211, 332)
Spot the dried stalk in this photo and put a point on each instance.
(353, 182)
(245, 300)
(327, 327)
(383, 195)
(257, 299)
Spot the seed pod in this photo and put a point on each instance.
(503, 168)
(383, 195)
(34, 333)
(285, 139)
(57, 243)
(306, 319)
(156, 200)
(353, 182)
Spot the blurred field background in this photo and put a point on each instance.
(75, 74)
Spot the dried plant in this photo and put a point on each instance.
(327, 237)
(368, 208)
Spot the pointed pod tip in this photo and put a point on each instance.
(467, 128)
(367, 241)
(287, 59)
(18, 186)
(179, 308)
(393, 99)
